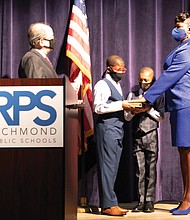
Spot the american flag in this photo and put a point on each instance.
(78, 50)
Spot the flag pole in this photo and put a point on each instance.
(83, 201)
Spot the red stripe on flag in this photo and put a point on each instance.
(75, 18)
(78, 50)
(74, 72)
(77, 57)
(80, 40)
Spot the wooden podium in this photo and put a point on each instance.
(38, 164)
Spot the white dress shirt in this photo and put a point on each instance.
(152, 112)
(102, 93)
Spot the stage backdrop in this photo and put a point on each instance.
(137, 30)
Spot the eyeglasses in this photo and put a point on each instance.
(119, 70)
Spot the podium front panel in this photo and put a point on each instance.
(34, 179)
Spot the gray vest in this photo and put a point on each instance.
(143, 121)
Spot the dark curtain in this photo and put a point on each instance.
(137, 30)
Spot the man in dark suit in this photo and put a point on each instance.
(35, 63)
(145, 123)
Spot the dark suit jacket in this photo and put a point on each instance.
(34, 65)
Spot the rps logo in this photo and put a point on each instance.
(13, 101)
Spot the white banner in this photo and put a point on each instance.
(31, 116)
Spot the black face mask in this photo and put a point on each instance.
(116, 76)
(52, 43)
(145, 86)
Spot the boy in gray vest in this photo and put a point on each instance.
(145, 122)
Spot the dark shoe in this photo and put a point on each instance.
(113, 211)
(149, 207)
(94, 209)
(139, 207)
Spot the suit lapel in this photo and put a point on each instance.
(46, 62)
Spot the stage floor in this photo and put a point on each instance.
(161, 213)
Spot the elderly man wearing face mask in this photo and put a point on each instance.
(145, 121)
(35, 63)
(110, 109)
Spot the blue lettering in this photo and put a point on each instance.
(46, 108)
(17, 108)
(34, 101)
(4, 108)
